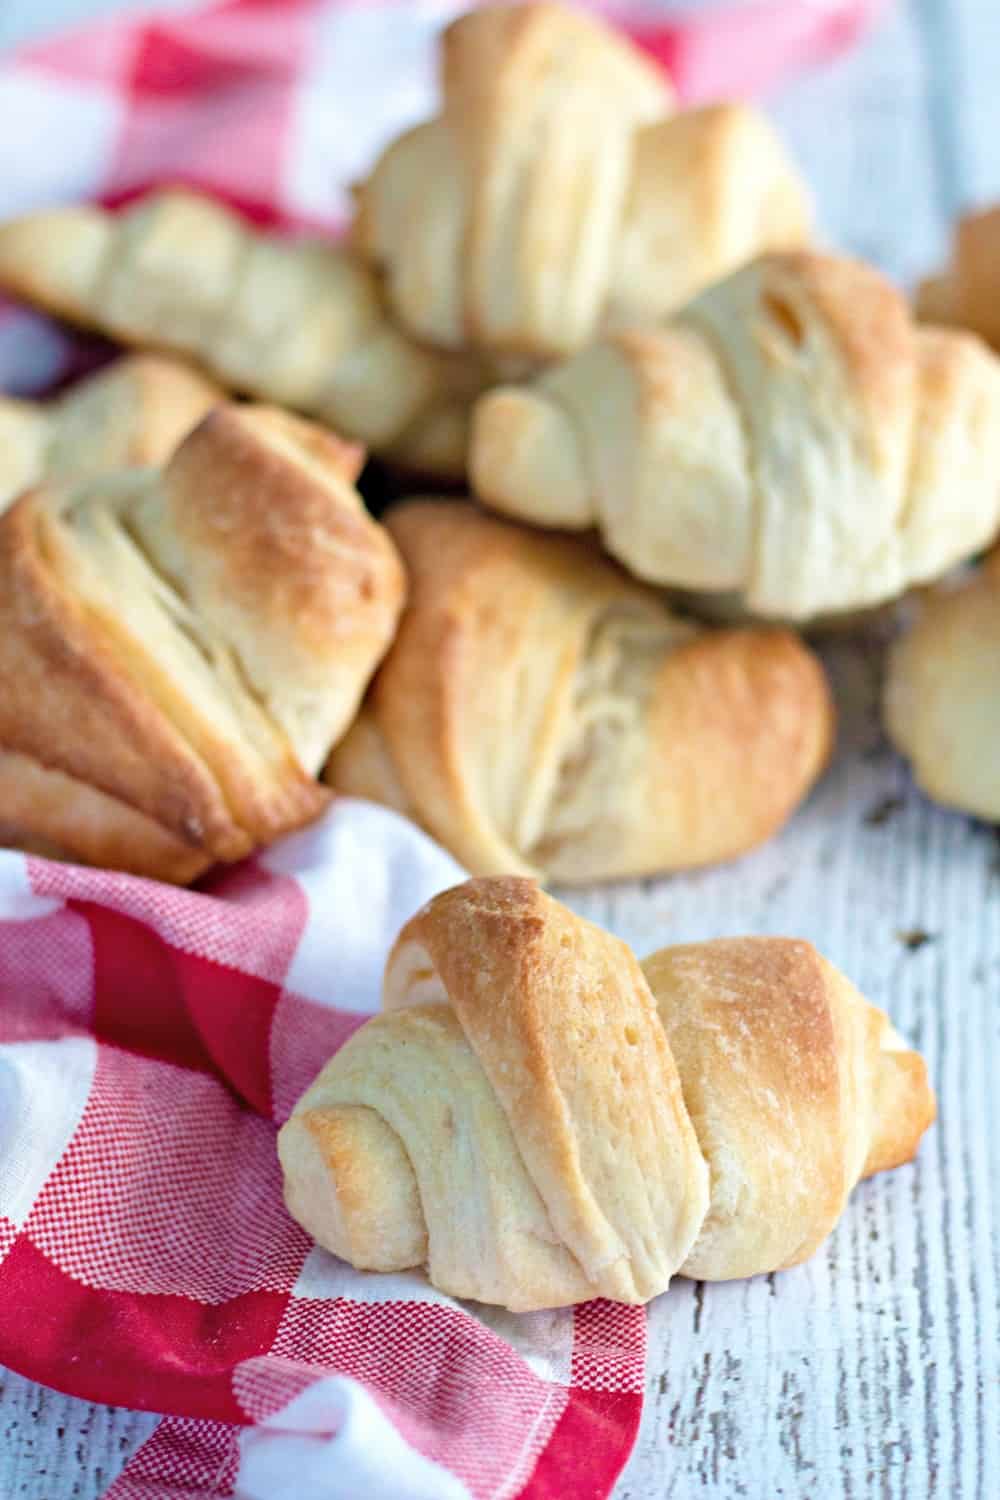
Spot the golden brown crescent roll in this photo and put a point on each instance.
(300, 323)
(541, 713)
(131, 415)
(942, 700)
(968, 292)
(180, 648)
(44, 811)
(538, 1120)
(551, 195)
(791, 436)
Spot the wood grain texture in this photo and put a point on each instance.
(873, 1372)
(53, 1447)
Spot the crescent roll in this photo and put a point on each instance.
(942, 697)
(553, 194)
(538, 1120)
(180, 648)
(299, 323)
(967, 294)
(791, 436)
(541, 713)
(131, 415)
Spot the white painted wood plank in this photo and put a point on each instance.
(874, 1369)
(53, 1447)
(886, 1342)
(967, 85)
(862, 133)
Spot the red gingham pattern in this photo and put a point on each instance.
(183, 1460)
(300, 1032)
(108, 1217)
(225, 931)
(8, 1234)
(421, 1361)
(51, 996)
(155, 1264)
(152, 1039)
(602, 1361)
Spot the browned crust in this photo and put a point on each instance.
(894, 1087)
(741, 725)
(333, 1136)
(905, 1107)
(510, 959)
(776, 990)
(294, 548)
(501, 945)
(762, 1004)
(43, 811)
(292, 537)
(562, 1020)
(869, 320)
(774, 1044)
(418, 693)
(473, 579)
(935, 300)
(70, 707)
(967, 293)
(795, 1085)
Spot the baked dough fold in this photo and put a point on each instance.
(791, 436)
(297, 322)
(130, 415)
(538, 1120)
(555, 192)
(180, 648)
(942, 696)
(541, 713)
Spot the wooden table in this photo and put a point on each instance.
(875, 1369)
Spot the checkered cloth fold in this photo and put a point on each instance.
(151, 1039)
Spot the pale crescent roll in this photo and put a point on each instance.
(293, 321)
(179, 648)
(538, 1120)
(541, 713)
(792, 437)
(942, 696)
(556, 192)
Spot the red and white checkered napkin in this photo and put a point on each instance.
(150, 1038)
(150, 1041)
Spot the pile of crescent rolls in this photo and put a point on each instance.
(605, 320)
